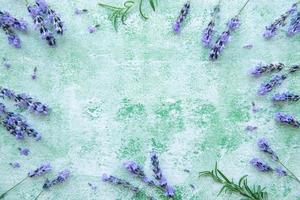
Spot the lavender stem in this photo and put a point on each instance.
(293, 176)
(5, 193)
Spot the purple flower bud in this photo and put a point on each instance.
(170, 192)
(267, 87)
(93, 186)
(15, 165)
(6, 63)
(33, 76)
(264, 146)
(80, 11)
(233, 23)
(12, 22)
(286, 96)
(207, 34)
(183, 14)
(251, 128)
(137, 170)
(287, 119)
(219, 45)
(248, 46)
(294, 27)
(260, 166)
(261, 68)
(255, 108)
(24, 151)
(93, 29)
(294, 68)
(116, 181)
(271, 30)
(40, 171)
(281, 172)
(61, 178)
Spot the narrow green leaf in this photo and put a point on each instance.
(152, 4)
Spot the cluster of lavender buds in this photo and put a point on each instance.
(233, 23)
(117, 181)
(138, 171)
(170, 192)
(45, 19)
(275, 81)
(24, 101)
(281, 170)
(260, 165)
(271, 30)
(294, 27)
(286, 96)
(294, 68)
(182, 16)
(266, 68)
(41, 170)
(8, 23)
(61, 177)
(16, 125)
(287, 119)
(209, 31)
(219, 45)
(264, 146)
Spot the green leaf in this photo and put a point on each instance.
(152, 4)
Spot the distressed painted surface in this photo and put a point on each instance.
(117, 96)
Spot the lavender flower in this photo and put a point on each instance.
(261, 68)
(286, 96)
(24, 151)
(294, 27)
(260, 166)
(56, 21)
(219, 45)
(33, 76)
(62, 177)
(159, 176)
(183, 14)
(15, 164)
(137, 170)
(294, 68)
(287, 119)
(233, 23)
(208, 32)
(271, 30)
(24, 101)
(36, 14)
(9, 20)
(41, 170)
(251, 128)
(255, 108)
(93, 29)
(12, 37)
(18, 126)
(267, 87)
(280, 171)
(116, 181)
(264, 146)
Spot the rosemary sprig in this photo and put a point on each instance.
(255, 192)
(121, 13)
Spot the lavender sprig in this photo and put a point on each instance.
(138, 171)
(170, 192)
(260, 165)
(286, 96)
(24, 101)
(268, 86)
(208, 32)
(181, 18)
(266, 68)
(287, 119)
(40, 171)
(117, 181)
(271, 30)
(7, 19)
(12, 37)
(36, 14)
(282, 170)
(61, 178)
(294, 27)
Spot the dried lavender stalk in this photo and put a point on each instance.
(267, 68)
(182, 16)
(271, 30)
(286, 96)
(138, 171)
(208, 32)
(294, 26)
(267, 87)
(287, 119)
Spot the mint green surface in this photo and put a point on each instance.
(117, 96)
